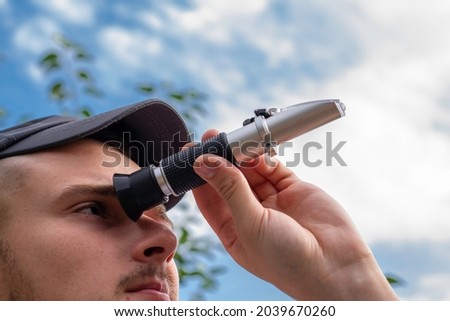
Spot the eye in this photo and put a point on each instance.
(92, 208)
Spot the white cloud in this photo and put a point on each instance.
(3, 4)
(31, 39)
(34, 36)
(228, 47)
(214, 19)
(35, 73)
(223, 82)
(434, 287)
(150, 19)
(127, 48)
(72, 11)
(222, 22)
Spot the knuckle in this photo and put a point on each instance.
(228, 188)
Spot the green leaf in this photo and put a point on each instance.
(146, 88)
(86, 111)
(83, 75)
(50, 62)
(177, 96)
(394, 280)
(57, 91)
(50, 57)
(184, 236)
(80, 54)
(179, 258)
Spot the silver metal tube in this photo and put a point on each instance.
(253, 139)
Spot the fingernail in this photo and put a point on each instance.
(207, 169)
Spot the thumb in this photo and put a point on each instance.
(231, 185)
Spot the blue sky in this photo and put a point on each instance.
(386, 60)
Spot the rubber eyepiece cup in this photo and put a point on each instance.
(138, 192)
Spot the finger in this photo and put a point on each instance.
(209, 134)
(232, 187)
(188, 145)
(216, 213)
(263, 170)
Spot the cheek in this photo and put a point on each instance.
(173, 280)
(55, 255)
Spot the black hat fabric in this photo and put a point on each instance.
(152, 126)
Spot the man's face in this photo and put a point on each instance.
(69, 239)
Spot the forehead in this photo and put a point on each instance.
(85, 160)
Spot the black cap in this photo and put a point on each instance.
(151, 126)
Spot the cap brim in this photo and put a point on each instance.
(152, 126)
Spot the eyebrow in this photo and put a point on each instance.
(106, 191)
(81, 190)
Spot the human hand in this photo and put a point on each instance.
(287, 232)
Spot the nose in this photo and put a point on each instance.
(157, 242)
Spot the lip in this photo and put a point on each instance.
(152, 290)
